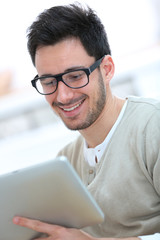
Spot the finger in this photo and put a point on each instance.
(48, 238)
(42, 237)
(36, 225)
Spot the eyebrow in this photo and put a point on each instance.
(74, 68)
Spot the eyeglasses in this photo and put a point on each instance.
(75, 79)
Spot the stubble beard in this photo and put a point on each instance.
(94, 113)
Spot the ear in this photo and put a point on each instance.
(107, 68)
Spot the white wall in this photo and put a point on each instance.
(131, 26)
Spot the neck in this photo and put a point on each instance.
(98, 131)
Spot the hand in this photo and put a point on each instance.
(54, 232)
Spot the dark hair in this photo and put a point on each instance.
(61, 22)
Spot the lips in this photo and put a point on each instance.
(70, 109)
(73, 108)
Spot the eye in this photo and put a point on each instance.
(75, 76)
(48, 82)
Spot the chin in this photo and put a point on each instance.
(77, 127)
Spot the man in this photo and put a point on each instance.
(118, 153)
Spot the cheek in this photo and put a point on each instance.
(49, 99)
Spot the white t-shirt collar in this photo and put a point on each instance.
(90, 154)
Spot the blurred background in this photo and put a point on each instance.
(29, 130)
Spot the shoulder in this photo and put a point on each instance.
(146, 103)
(143, 111)
(73, 150)
(143, 116)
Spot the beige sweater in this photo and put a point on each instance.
(126, 182)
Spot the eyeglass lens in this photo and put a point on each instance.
(75, 79)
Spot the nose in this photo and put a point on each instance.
(64, 93)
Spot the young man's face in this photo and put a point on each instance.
(78, 108)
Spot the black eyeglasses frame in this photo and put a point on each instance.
(59, 78)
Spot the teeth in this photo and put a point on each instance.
(72, 108)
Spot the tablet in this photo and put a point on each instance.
(51, 192)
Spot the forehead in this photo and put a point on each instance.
(64, 54)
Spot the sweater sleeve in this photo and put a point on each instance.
(152, 149)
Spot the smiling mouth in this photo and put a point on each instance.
(72, 108)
